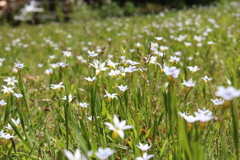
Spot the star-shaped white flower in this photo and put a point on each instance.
(118, 127)
(76, 156)
(145, 157)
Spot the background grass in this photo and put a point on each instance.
(50, 124)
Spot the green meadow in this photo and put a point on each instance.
(157, 86)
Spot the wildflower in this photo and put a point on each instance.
(103, 154)
(54, 65)
(206, 79)
(2, 104)
(187, 44)
(91, 118)
(76, 156)
(70, 98)
(122, 71)
(7, 90)
(171, 72)
(91, 54)
(118, 127)
(49, 71)
(7, 136)
(164, 48)
(63, 65)
(145, 157)
(189, 118)
(193, 69)
(15, 70)
(90, 80)
(111, 64)
(18, 96)
(178, 53)
(16, 122)
(138, 45)
(227, 94)
(57, 86)
(9, 127)
(67, 53)
(174, 59)
(19, 66)
(122, 89)
(114, 73)
(83, 105)
(110, 96)
(130, 70)
(159, 38)
(217, 101)
(143, 148)
(203, 116)
(11, 81)
(52, 57)
(98, 66)
(189, 84)
(132, 63)
(158, 53)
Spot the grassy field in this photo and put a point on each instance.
(123, 88)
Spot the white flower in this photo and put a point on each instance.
(7, 136)
(76, 156)
(57, 86)
(111, 64)
(130, 69)
(91, 118)
(145, 157)
(193, 69)
(89, 79)
(217, 101)
(11, 81)
(19, 65)
(83, 105)
(103, 154)
(133, 63)
(164, 48)
(204, 115)
(9, 127)
(123, 88)
(118, 127)
(178, 53)
(7, 90)
(114, 73)
(18, 95)
(189, 83)
(171, 71)
(62, 64)
(16, 122)
(2, 103)
(206, 78)
(70, 98)
(144, 148)
(49, 71)
(110, 96)
(98, 66)
(92, 54)
(174, 59)
(159, 38)
(188, 118)
(227, 93)
(67, 53)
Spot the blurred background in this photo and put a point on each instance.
(15, 12)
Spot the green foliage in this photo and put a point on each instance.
(50, 122)
(129, 8)
(110, 10)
